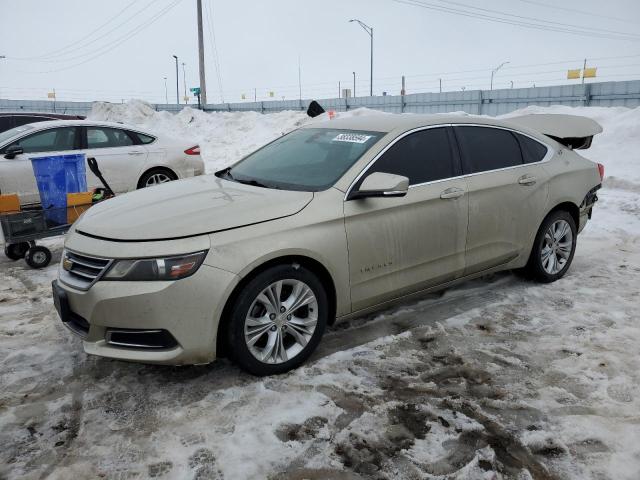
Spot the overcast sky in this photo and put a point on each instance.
(120, 49)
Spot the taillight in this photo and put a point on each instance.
(195, 150)
(601, 171)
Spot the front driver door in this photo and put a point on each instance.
(402, 245)
(17, 173)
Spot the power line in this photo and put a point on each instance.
(214, 48)
(579, 12)
(490, 18)
(91, 33)
(569, 25)
(106, 49)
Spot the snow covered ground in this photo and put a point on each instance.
(497, 378)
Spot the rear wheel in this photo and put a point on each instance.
(16, 251)
(155, 177)
(38, 257)
(277, 320)
(554, 247)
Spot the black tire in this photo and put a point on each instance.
(240, 352)
(38, 257)
(535, 268)
(16, 251)
(146, 176)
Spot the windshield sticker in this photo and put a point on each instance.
(352, 138)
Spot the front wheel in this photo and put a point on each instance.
(277, 320)
(553, 248)
(38, 257)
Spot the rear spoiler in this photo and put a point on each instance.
(571, 131)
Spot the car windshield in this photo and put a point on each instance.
(309, 159)
(4, 136)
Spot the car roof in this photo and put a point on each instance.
(388, 122)
(62, 116)
(71, 123)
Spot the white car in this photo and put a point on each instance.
(128, 157)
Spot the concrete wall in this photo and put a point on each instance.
(486, 102)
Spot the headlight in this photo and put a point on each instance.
(146, 269)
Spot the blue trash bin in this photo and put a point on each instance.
(56, 176)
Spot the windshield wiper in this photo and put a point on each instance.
(253, 182)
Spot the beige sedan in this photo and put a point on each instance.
(328, 222)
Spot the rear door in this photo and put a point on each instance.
(507, 196)
(119, 158)
(17, 175)
(401, 245)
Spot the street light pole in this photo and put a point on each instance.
(2, 56)
(354, 84)
(184, 83)
(494, 71)
(177, 89)
(166, 95)
(369, 30)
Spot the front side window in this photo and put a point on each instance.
(309, 159)
(423, 156)
(52, 140)
(14, 132)
(487, 148)
(104, 137)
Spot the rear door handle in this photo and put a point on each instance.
(136, 153)
(452, 193)
(527, 180)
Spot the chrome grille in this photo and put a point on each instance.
(81, 271)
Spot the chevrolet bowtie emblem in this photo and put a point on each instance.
(67, 264)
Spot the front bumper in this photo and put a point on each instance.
(187, 311)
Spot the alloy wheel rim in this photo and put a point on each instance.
(39, 257)
(281, 321)
(556, 247)
(157, 179)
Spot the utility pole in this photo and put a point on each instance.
(440, 84)
(339, 91)
(354, 84)
(177, 77)
(203, 83)
(584, 66)
(369, 30)
(255, 94)
(184, 83)
(166, 95)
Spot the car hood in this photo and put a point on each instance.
(186, 208)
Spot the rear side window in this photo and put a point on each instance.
(422, 156)
(144, 139)
(53, 140)
(532, 150)
(103, 137)
(486, 148)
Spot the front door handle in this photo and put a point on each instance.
(527, 180)
(452, 193)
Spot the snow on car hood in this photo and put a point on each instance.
(185, 208)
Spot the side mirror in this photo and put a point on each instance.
(381, 184)
(12, 151)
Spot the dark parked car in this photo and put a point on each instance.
(9, 120)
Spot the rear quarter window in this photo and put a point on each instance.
(532, 150)
(144, 139)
